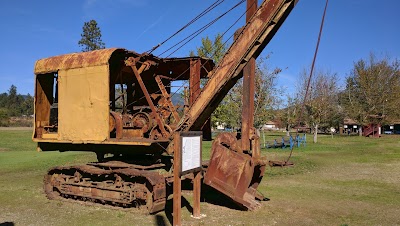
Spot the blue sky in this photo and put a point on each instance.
(32, 30)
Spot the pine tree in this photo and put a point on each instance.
(212, 49)
(91, 37)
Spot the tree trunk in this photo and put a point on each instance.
(288, 131)
(360, 131)
(316, 133)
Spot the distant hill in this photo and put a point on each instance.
(177, 99)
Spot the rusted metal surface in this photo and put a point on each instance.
(148, 98)
(196, 194)
(254, 37)
(234, 173)
(195, 90)
(178, 67)
(122, 165)
(167, 99)
(248, 88)
(194, 81)
(116, 124)
(177, 201)
(124, 186)
(145, 112)
(75, 60)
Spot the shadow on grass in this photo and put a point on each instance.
(7, 224)
(212, 196)
(208, 194)
(160, 220)
(169, 206)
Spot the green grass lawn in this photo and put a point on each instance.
(339, 181)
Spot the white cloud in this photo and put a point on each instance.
(151, 26)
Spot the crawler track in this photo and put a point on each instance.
(124, 187)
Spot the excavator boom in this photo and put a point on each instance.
(251, 41)
(234, 170)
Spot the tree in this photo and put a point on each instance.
(91, 37)
(3, 117)
(322, 105)
(266, 94)
(288, 116)
(27, 105)
(3, 100)
(14, 102)
(266, 98)
(372, 88)
(212, 49)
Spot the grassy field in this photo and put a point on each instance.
(339, 181)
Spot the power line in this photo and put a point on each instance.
(199, 31)
(207, 10)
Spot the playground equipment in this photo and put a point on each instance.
(285, 142)
(371, 130)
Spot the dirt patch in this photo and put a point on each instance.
(3, 149)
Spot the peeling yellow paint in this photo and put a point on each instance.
(83, 104)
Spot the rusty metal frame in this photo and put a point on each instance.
(146, 94)
(248, 88)
(167, 98)
(194, 80)
(250, 42)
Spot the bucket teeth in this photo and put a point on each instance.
(250, 202)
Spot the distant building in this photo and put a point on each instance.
(220, 126)
(392, 128)
(270, 125)
(350, 126)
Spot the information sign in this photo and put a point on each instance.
(191, 151)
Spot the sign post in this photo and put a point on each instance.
(187, 159)
(177, 181)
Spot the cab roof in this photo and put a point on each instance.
(174, 67)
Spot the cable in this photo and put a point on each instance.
(226, 41)
(176, 78)
(223, 34)
(207, 10)
(310, 76)
(199, 31)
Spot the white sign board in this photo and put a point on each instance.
(345, 126)
(391, 127)
(355, 127)
(191, 151)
